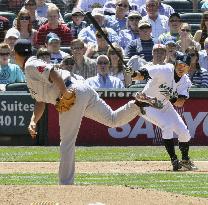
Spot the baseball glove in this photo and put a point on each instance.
(66, 101)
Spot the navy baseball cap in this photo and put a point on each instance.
(23, 47)
(185, 59)
(52, 36)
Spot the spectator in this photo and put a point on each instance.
(159, 54)
(42, 9)
(77, 23)
(53, 43)
(101, 47)
(164, 9)
(24, 26)
(68, 63)
(44, 55)
(203, 56)
(4, 26)
(116, 65)
(132, 31)
(143, 45)
(11, 5)
(204, 6)
(118, 21)
(103, 79)
(37, 21)
(201, 34)
(89, 5)
(186, 39)
(197, 75)
(88, 34)
(139, 3)
(83, 66)
(9, 73)
(158, 22)
(12, 35)
(54, 25)
(174, 24)
(171, 51)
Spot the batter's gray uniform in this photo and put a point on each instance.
(87, 104)
(162, 79)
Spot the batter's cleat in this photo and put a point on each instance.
(176, 165)
(153, 102)
(189, 165)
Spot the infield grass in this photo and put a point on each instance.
(95, 154)
(181, 183)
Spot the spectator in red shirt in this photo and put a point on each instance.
(54, 25)
(4, 26)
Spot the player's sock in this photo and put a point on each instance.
(170, 147)
(184, 148)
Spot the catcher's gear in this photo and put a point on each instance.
(153, 102)
(66, 101)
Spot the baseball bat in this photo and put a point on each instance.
(97, 26)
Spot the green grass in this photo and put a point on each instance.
(181, 183)
(92, 154)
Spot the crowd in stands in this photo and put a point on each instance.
(143, 32)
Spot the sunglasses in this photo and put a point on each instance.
(131, 18)
(77, 15)
(102, 62)
(4, 54)
(187, 30)
(77, 48)
(123, 5)
(22, 18)
(145, 27)
(176, 20)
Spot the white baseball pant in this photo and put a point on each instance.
(88, 104)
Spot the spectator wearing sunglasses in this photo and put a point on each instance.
(103, 79)
(77, 23)
(158, 22)
(132, 30)
(141, 46)
(203, 55)
(186, 39)
(119, 19)
(100, 48)
(197, 74)
(174, 24)
(83, 65)
(88, 34)
(12, 35)
(164, 9)
(24, 26)
(9, 73)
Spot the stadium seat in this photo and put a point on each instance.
(17, 87)
(180, 6)
(9, 15)
(191, 18)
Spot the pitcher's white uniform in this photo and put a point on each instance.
(87, 104)
(167, 118)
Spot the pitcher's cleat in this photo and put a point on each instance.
(188, 164)
(176, 165)
(153, 102)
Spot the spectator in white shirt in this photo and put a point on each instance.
(203, 55)
(88, 5)
(158, 22)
